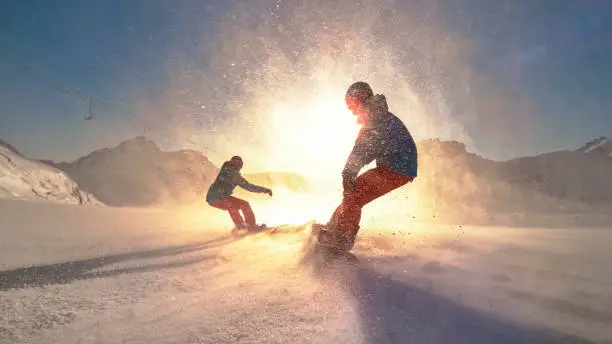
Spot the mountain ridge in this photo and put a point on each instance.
(137, 173)
(451, 179)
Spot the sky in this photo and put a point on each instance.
(508, 78)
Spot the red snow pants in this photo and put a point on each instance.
(368, 186)
(234, 206)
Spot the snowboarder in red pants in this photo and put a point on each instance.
(384, 138)
(220, 194)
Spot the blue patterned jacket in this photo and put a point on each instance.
(383, 138)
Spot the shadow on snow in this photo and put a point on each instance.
(62, 273)
(395, 312)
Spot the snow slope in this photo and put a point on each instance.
(108, 275)
(25, 179)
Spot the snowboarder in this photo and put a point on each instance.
(219, 195)
(383, 137)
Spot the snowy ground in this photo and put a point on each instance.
(104, 275)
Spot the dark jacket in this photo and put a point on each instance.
(228, 178)
(383, 138)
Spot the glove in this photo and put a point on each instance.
(269, 192)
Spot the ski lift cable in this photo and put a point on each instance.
(84, 96)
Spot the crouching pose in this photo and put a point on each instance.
(220, 194)
(383, 138)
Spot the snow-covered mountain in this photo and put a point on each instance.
(137, 173)
(458, 182)
(583, 175)
(601, 145)
(451, 181)
(25, 179)
(586, 178)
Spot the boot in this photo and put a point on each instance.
(345, 240)
(237, 230)
(257, 228)
(342, 240)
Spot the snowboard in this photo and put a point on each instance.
(244, 232)
(328, 251)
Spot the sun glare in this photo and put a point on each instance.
(312, 136)
(288, 207)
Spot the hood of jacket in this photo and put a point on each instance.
(375, 105)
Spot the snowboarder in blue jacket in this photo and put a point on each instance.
(219, 194)
(383, 138)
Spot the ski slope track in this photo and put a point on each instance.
(109, 275)
(25, 179)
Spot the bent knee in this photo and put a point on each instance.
(217, 205)
(242, 204)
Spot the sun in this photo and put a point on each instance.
(312, 136)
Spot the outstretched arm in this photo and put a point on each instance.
(243, 183)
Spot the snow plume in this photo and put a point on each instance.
(271, 84)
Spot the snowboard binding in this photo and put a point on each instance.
(245, 230)
(334, 239)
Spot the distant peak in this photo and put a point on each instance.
(455, 147)
(598, 143)
(10, 147)
(139, 143)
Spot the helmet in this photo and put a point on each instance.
(236, 161)
(357, 93)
